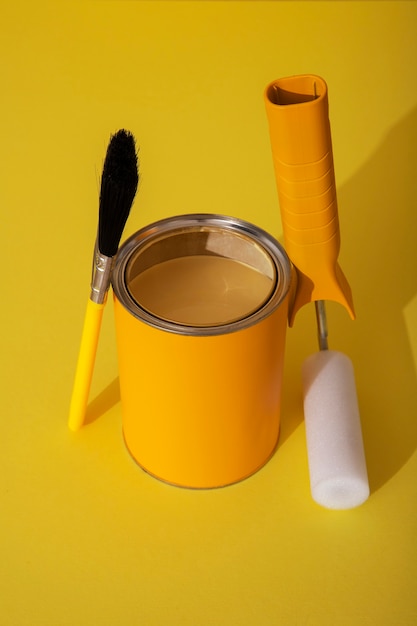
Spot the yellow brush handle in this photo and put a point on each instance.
(85, 364)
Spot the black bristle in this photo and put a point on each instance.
(119, 182)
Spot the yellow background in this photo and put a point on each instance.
(87, 537)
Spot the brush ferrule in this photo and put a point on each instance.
(100, 280)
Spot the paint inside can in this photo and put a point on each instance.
(201, 277)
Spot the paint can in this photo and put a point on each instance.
(201, 305)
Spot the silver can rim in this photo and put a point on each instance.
(145, 235)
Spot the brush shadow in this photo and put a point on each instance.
(102, 403)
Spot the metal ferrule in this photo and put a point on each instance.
(100, 280)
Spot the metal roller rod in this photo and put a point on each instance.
(321, 324)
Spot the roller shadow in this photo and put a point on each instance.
(383, 276)
(378, 223)
(102, 403)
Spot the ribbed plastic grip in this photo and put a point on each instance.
(299, 126)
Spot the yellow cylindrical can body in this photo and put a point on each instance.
(201, 406)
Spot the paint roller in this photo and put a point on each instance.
(299, 127)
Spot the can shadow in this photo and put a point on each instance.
(378, 222)
(102, 403)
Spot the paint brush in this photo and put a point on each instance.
(119, 182)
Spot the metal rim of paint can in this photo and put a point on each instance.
(202, 223)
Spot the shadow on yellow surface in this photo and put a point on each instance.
(384, 280)
(102, 403)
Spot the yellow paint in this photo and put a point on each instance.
(201, 290)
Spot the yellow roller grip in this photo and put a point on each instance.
(299, 127)
(85, 364)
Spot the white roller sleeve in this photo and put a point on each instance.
(336, 458)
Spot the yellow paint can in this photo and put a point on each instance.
(201, 305)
